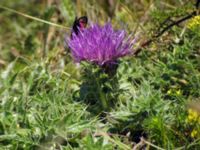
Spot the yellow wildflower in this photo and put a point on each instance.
(194, 22)
(193, 115)
(169, 92)
(18, 126)
(194, 133)
(178, 92)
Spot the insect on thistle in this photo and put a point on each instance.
(79, 24)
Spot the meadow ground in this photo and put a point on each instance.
(149, 101)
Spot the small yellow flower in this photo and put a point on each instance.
(169, 92)
(178, 92)
(193, 115)
(194, 133)
(18, 126)
(194, 22)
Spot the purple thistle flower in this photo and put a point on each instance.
(100, 45)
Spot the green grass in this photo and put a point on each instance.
(47, 102)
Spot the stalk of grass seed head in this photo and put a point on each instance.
(34, 18)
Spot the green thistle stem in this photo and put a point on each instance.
(102, 95)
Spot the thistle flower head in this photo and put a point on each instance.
(100, 45)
